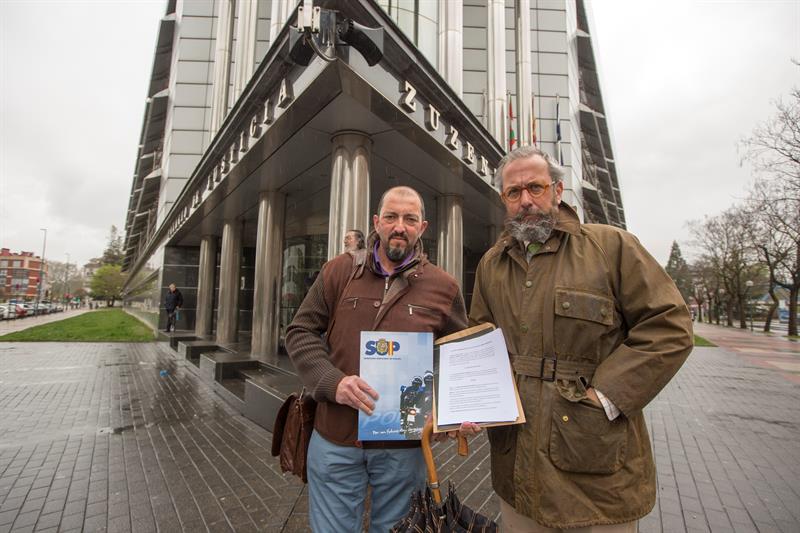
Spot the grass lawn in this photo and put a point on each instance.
(698, 341)
(114, 325)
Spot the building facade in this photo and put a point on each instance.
(20, 274)
(258, 153)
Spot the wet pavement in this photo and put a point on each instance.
(93, 438)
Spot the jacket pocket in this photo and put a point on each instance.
(583, 440)
(414, 309)
(584, 306)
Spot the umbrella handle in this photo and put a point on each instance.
(433, 477)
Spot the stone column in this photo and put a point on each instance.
(497, 107)
(349, 188)
(230, 262)
(524, 94)
(222, 64)
(247, 13)
(451, 43)
(450, 251)
(205, 286)
(269, 258)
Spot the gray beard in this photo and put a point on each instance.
(537, 230)
(396, 255)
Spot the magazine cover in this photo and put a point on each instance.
(400, 367)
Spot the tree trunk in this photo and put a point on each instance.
(729, 317)
(793, 311)
(742, 315)
(772, 310)
(700, 313)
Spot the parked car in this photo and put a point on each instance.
(14, 310)
(29, 309)
(3, 312)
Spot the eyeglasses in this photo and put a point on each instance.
(512, 194)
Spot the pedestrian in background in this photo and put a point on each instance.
(173, 304)
(353, 240)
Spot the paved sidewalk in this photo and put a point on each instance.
(10, 326)
(92, 438)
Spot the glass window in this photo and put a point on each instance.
(419, 21)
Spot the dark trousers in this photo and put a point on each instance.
(171, 319)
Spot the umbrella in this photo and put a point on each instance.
(428, 514)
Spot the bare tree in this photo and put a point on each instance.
(775, 233)
(774, 151)
(728, 252)
(774, 146)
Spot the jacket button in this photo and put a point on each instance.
(524, 328)
(565, 305)
(565, 418)
(376, 304)
(603, 312)
(528, 283)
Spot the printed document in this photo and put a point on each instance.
(475, 382)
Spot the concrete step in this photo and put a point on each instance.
(266, 387)
(192, 349)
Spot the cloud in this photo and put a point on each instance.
(683, 82)
(74, 78)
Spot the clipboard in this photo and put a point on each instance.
(464, 334)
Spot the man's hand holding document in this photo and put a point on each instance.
(475, 386)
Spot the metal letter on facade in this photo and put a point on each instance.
(431, 118)
(285, 95)
(407, 99)
(451, 140)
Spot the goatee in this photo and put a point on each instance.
(396, 254)
(530, 225)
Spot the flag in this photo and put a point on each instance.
(559, 155)
(512, 137)
(534, 140)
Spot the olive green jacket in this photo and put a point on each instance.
(592, 308)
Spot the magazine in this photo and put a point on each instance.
(399, 365)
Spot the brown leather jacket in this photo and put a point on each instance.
(592, 307)
(420, 297)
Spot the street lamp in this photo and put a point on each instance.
(41, 274)
(748, 285)
(66, 282)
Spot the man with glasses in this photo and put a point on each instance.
(595, 329)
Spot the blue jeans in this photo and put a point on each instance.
(337, 485)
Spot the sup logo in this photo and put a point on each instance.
(381, 347)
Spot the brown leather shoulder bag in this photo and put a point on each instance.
(292, 433)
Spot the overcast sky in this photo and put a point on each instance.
(682, 83)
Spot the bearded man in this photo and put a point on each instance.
(595, 329)
(389, 286)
